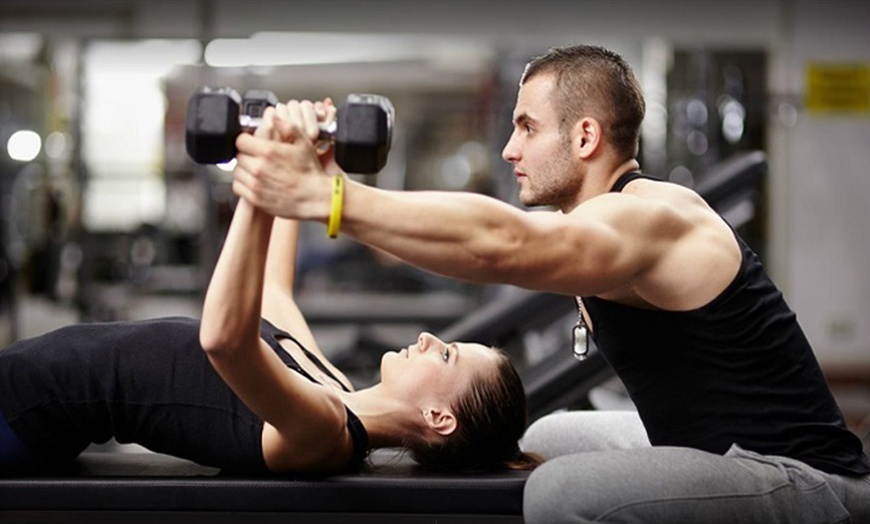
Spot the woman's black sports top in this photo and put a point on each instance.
(145, 382)
(738, 370)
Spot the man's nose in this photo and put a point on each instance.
(509, 152)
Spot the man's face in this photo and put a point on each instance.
(546, 171)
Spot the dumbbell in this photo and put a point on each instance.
(361, 133)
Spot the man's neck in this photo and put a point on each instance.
(626, 167)
(597, 183)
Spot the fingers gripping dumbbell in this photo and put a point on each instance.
(361, 133)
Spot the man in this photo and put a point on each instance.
(743, 426)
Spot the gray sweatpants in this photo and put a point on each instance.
(601, 468)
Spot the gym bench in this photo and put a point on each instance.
(133, 488)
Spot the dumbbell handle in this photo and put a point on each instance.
(250, 124)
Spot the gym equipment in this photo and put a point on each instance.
(361, 133)
(147, 487)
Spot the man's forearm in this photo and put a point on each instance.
(460, 235)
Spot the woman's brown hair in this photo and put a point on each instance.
(491, 416)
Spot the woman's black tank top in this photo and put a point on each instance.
(147, 382)
(738, 370)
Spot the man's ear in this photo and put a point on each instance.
(441, 420)
(587, 137)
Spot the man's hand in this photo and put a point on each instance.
(279, 170)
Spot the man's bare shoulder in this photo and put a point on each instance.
(689, 253)
(646, 206)
(701, 257)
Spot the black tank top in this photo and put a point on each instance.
(738, 370)
(147, 382)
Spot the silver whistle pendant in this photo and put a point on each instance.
(581, 342)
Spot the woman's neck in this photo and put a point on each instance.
(388, 421)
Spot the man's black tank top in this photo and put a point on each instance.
(147, 382)
(738, 370)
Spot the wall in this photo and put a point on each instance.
(822, 188)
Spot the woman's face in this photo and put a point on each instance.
(433, 371)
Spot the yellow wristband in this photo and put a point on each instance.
(337, 205)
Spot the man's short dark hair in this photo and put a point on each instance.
(596, 82)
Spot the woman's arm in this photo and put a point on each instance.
(230, 335)
(279, 305)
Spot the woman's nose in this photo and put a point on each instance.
(425, 341)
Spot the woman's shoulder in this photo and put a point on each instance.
(321, 440)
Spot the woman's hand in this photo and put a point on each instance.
(315, 116)
(279, 169)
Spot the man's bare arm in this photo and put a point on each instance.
(480, 239)
(602, 244)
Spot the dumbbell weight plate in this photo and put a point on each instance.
(364, 133)
(213, 125)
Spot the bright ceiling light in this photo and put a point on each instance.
(273, 49)
(20, 47)
(24, 145)
(281, 49)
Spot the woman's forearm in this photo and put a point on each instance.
(281, 260)
(231, 310)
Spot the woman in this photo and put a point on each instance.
(239, 392)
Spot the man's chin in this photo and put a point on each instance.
(529, 201)
(524, 197)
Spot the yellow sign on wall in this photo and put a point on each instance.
(841, 88)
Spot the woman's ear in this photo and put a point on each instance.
(587, 137)
(441, 420)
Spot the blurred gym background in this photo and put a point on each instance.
(103, 216)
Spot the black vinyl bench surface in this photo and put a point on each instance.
(143, 487)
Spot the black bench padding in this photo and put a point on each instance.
(142, 483)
